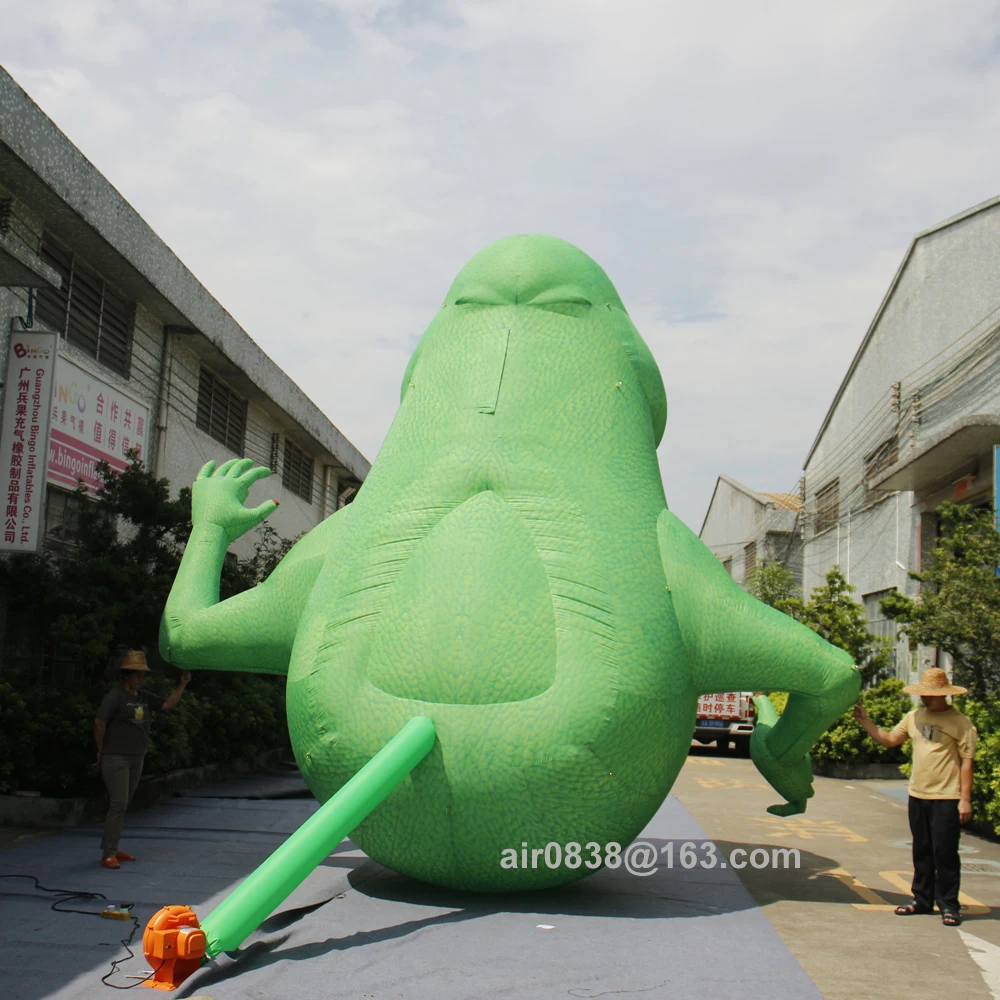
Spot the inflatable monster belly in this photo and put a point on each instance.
(492, 611)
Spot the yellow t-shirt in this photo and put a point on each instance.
(940, 741)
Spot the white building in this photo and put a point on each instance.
(137, 322)
(746, 529)
(914, 420)
(147, 358)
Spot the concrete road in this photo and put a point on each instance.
(355, 929)
(835, 913)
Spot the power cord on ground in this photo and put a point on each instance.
(122, 912)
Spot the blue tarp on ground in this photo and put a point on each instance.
(355, 929)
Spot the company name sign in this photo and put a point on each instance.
(24, 428)
(92, 422)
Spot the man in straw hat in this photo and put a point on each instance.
(121, 732)
(944, 744)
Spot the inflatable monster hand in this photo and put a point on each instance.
(510, 572)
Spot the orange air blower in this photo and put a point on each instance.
(174, 945)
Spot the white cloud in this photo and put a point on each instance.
(748, 175)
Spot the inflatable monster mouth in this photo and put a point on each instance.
(470, 620)
(499, 698)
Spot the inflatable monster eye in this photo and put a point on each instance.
(565, 301)
(566, 307)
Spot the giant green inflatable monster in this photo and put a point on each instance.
(510, 572)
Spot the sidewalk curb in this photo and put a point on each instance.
(42, 813)
(833, 769)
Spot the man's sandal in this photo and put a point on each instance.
(950, 919)
(911, 909)
(110, 863)
(122, 856)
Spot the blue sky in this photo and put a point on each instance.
(749, 175)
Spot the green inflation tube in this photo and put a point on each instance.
(244, 909)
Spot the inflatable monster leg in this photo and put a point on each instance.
(737, 643)
(174, 943)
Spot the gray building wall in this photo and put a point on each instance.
(186, 447)
(739, 517)
(929, 361)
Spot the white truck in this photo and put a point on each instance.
(726, 718)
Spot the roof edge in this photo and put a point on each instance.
(708, 509)
(759, 497)
(89, 195)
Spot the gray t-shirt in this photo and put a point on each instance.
(129, 717)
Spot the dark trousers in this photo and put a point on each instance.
(121, 773)
(935, 828)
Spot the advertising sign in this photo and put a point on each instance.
(91, 421)
(27, 396)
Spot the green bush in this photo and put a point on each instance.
(845, 742)
(47, 742)
(54, 737)
(11, 723)
(222, 716)
(986, 786)
(779, 699)
(108, 595)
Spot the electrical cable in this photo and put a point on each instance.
(929, 379)
(66, 895)
(928, 372)
(127, 942)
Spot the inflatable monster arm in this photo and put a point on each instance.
(252, 631)
(736, 643)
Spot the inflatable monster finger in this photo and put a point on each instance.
(509, 573)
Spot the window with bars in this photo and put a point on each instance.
(878, 624)
(749, 559)
(828, 506)
(886, 454)
(727, 565)
(62, 520)
(87, 311)
(347, 495)
(297, 472)
(221, 413)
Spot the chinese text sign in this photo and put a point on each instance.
(27, 396)
(91, 422)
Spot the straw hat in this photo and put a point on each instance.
(135, 659)
(934, 681)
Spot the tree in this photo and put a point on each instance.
(958, 608)
(110, 590)
(107, 591)
(772, 584)
(838, 618)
